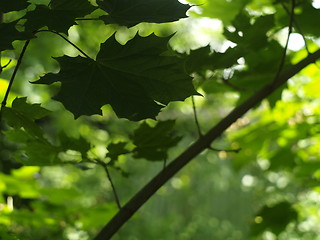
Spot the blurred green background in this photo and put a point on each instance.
(268, 190)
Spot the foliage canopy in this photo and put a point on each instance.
(101, 96)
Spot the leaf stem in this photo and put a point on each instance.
(67, 40)
(196, 148)
(237, 150)
(105, 167)
(4, 101)
(86, 19)
(284, 54)
(196, 119)
(298, 28)
(195, 114)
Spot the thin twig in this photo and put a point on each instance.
(113, 187)
(297, 27)
(196, 117)
(66, 39)
(226, 81)
(284, 54)
(196, 148)
(105, 167)
(240, 89)
(85, 19)
(4, 101)
(6, 65)
(200, 133)
(237, 150)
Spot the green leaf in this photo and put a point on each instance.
(305, 16)
(23, 114)
(284, 158)
(247, 36)
(6, 234)
(9, 33)
(96, 215)
(13, 5)
(39, 153)
(152, 143)
(60, 16)
(223, 10)
(252, 36)
(204, 58)
(77, 144)
(115, 150)
(130, 78)
(130, 13)
(274, 219)
(257, 74)
(33, 151)
(61, 196)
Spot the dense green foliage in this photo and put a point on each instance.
(100, 96)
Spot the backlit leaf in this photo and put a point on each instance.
(115, 150)
(130, 13)
(130, 78)
(223, 10)
(274, 218)
(76, 144)
(13, 5)
(9, 33)
(23, 114)
(152, 143)
(59, 16)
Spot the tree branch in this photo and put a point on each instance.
(196, 148)
(195, 114)
(297, 26)
(290, 26)
(67, 40)
(105, 167)
(4, 101)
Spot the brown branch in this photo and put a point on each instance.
(4, 101)
(196, 148)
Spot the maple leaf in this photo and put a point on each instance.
(253, 35)
(9, 33)
(36, 149)
(23, 114)
(60, 16)
(16, 5)
(115, 150)
(136, 79)
(152, 143)
(130, 13)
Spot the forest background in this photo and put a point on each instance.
(99, 97)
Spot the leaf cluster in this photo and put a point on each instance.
(123, 100)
